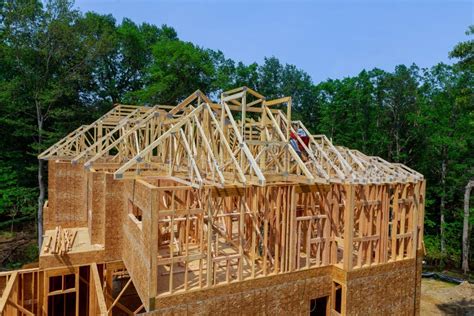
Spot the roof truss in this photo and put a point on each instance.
(243, 139)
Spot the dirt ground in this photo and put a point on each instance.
(18, 247)
(441, 298)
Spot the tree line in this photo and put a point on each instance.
(61, 68)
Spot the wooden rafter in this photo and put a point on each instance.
(214, 148)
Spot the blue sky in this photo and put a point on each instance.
(328, 39)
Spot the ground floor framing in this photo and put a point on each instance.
(107, 289)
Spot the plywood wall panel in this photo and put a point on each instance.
(387, 289)
(48, 213)
(96, 207)
(115, 214)
(70, 259)
(286, 294)
(67, 195)
(139, 240)
(137, 264)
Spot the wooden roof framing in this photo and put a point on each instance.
(242, 139)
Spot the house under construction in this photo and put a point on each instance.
(220, 208)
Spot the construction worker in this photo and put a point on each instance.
(294, 143)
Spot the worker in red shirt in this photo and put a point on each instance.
(294, 143)
(298, 146)
(304, 137)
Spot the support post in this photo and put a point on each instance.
(348, 227)
(8, 289)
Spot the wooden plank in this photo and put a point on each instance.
(403, 219)
(277, 101)
(395, 208)
(119, 295)
(20, 308)
(185, 102)
(234, 96)
(348, 226)
(8, 289)
(99, 295)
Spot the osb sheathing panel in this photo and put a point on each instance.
(48, 213)
(285, 294)
(136, 261)
(138, 251)
(67, 190)
(387, 289)
(71, 259)
(115, 213)
(418, 281)
(106, 211)
(339, 275)
(96, 206)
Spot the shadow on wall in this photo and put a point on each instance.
(464, 307)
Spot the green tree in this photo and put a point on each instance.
(464, 51)
(400, 99)
(45, 62)
(446, 124)
(230, 74)
(122, 55)
(178, 69)
(351, 112)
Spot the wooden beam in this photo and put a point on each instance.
(99, 295)
(119, 295)
(8, 290)
(277, 101)
(348, 226)
(20, 308)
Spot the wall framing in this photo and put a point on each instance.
(212, 203)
